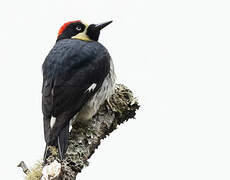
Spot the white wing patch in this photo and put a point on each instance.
(92, 87)
(52, 122)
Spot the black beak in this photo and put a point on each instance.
(93, 30)
(102, 25)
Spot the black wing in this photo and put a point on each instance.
(69, 70)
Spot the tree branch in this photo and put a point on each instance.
(24, 167)
(85, 138)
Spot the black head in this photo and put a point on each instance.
(79, 30)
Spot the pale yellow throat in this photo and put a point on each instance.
(82, 36)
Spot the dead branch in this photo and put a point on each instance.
(85, 138)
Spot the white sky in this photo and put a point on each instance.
(173, 54)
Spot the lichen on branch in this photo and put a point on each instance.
(85, 137)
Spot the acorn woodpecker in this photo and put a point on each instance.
(78, 76)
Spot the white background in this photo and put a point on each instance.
(174, 55)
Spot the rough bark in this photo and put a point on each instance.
(85, 138)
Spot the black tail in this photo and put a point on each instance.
(61, 142)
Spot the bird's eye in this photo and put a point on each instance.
(78, 28)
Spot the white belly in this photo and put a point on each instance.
(104, 93)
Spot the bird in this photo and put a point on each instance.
(78, 76)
